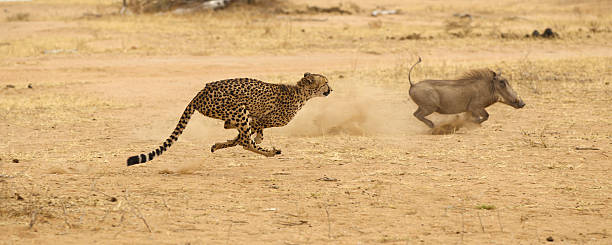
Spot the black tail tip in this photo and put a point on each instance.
(133, 160)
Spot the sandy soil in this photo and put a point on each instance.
(356, 168)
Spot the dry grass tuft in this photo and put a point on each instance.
(460, 27)
(485, 207)
(165, 171)
(18, 17)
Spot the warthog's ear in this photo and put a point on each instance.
(498, 74)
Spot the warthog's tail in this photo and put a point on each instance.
(418, 61)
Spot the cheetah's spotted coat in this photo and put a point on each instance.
(250, 106)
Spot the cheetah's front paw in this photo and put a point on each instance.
(276, 151)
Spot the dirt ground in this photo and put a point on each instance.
(80, 95)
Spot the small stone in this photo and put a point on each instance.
(15, 160)
(325, 178)
(112, 199)
(550, 239)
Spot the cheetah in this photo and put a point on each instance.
(248, 105)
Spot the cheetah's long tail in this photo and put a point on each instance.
(418, 61)
(173, 137)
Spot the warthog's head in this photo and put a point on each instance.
(314, 85)
(505, 93)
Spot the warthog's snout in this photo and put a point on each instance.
(520, 104)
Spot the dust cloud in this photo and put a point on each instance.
(354, 109)
(455, 124)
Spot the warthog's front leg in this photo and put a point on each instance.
(480, 115)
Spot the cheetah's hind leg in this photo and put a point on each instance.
(223, 145)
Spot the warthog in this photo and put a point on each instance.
(472, 92)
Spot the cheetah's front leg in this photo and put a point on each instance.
(246, 130)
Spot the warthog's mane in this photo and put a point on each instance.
(478, 74)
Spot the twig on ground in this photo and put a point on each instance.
(462, 225)
(586, 148)
(94, 189)
(229, 230)
(328, 223)
(137, 213)
(33, 218)
(165, 204)
(122, 217)
(289, 223)
(66, 216)
(499, 222)
(105, 214)
(93, 184)
(480, 220)
(117, 234)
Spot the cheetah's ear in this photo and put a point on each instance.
(307, 74)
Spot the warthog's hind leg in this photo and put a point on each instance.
(421, 113)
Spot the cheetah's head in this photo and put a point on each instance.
(315, 85)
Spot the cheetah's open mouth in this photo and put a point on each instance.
(327, 93)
